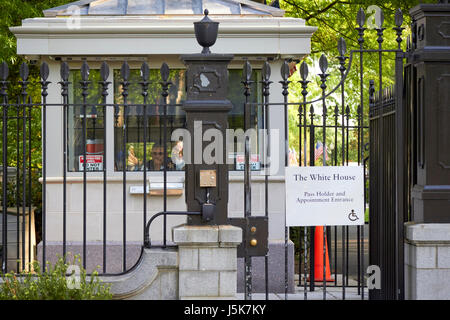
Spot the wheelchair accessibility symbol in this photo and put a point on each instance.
(352, 216)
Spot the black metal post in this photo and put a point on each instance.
(24, 73)
(4, 72)
(247, 74)
(285, 85)
(165, 83)
(145, 73)
(125, 73)
(304, 82)
(323, 64)
(84, 87)
(64, 71)
(104, 73)
(266, 71)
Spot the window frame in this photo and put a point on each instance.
(109, 141)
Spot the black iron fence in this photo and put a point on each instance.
(26, 194)
(329, 134)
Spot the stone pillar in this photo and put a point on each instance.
(427, 238)
(427, 261)
(430, 59)
(207, 261)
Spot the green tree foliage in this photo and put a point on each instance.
(12, 12)
(336, 19)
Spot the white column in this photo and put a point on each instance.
(54, 138)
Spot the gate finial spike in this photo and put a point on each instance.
(266, 71)
(165, 83)
(125, 71)
(85, 71)
(4, 71)
(398, 28)
(247, 71)
(361, 17)
(104, 71)
(44, 71)
(24, 71)
(342, 46)
(104, 74)
(285, 70)
(64, 72)
(398, 17)
(323, 64)
(145, 71)
(304, 71)
(165, 72)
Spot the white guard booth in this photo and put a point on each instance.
(154, 31)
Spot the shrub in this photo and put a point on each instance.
(54, 284)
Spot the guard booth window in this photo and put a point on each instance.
(131, 122)
(94, 124)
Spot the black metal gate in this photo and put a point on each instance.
(385, 227)
(382, 137)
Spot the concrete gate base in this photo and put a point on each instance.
(155, 277)
(203, 267)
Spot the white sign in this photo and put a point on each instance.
(324, 196)
(94, 163)
(156, 186)
(255, 164)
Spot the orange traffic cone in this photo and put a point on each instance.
(318, 257)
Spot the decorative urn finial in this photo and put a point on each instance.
(206, 32)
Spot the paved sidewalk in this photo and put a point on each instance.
(332, 292)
